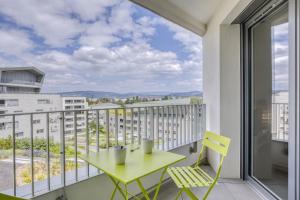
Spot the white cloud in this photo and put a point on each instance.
(127, 59)
(103, 48)
(14, 42)
(48, 19)
(90, 10)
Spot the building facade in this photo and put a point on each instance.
(20, 94)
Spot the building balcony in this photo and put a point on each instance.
(38, 157)
(18, 83)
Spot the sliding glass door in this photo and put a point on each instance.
(268, 98)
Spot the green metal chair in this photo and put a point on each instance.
(190, 177)
(7, 197)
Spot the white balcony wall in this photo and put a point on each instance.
(221, 82)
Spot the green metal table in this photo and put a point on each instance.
(137, 165)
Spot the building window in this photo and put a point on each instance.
(39, 110)
(43, 101)
(69, 132)
(69, 125)
(2, 103)
(12, 102)
(69, 119)
(68, 107)
(78, 107)
(68, 101)
(19, 134)
(78, 101)
(2, 126)
(36, 121)
(38, 131)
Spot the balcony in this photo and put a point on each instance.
(20, 83)
(51, 158)
(242, 72)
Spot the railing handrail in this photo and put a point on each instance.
(91, 109)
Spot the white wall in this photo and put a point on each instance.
(221, 81)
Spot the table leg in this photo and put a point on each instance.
(126, 193)
(117, 187)
(160, 182)
(114, 192)
(143, 189)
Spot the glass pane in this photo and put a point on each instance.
(270, 102)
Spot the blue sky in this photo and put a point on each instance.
(104, 45)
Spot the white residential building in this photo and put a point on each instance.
(21, 80)
(139, 118)
(19, 88)
(74, 103)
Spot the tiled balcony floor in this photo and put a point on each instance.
(226, 189)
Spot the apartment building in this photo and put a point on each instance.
(280, 116)
(28, 103)
(139, 118)
(71, 104)
(20, 89)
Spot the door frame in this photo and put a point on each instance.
(294, 99)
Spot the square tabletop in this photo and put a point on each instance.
(137, 163)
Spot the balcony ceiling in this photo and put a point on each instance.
(191, 14)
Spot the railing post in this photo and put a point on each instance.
(168, 128)
(116, 127)
(163, 128)
(139, 125)
(172, 126)
(31, 154)
(124, 126)
(131, 127)
(203, 115)
(62, 148)
(75, 146)
(146, 122)
(177, 124)
(152, 123)
(48, 151)
(107, 129)
(157, 127)
(181, 125)
(14, 153)
(87, 140)
(97, 131)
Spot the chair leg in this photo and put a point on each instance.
(190, 194)
(178, 194)
(209, 190)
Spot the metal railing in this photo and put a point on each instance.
(280, 121)
(44, 161)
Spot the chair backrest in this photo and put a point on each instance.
(7, 197)
(219, 144)
(215, 142)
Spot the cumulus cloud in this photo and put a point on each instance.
(14, 42)
(98, 45)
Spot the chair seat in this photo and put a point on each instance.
(188, 177)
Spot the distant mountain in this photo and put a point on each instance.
(101, 94)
